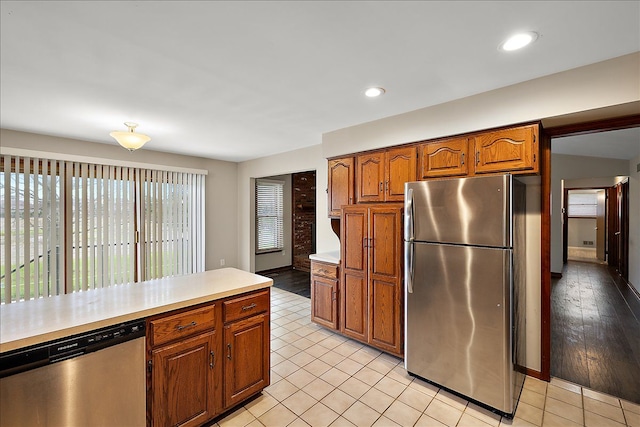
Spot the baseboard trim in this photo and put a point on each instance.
(556, 275)
(633, 289)
(275, 270)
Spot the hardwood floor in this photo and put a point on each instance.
(595, 330)
(296, 281)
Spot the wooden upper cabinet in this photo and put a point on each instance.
(444, 158)
(341, 181)
(370, 177)
(400, 167)
(507, 150)
(380, 176)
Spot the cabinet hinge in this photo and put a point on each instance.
(149, 365)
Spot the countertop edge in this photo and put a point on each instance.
(330, 257)
(41, 338)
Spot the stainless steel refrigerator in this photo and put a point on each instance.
(465, 286)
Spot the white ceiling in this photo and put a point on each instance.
(241, 80)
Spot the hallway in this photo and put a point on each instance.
(595, 330)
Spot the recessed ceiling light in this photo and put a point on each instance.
(372, 92)
(518, 41)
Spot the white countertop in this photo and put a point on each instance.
(33, 322)
(332, 257)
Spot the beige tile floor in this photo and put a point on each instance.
(319, 378)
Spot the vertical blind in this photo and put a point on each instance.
(269, 215)
(70, 226)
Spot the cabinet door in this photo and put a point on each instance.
(370, 177)
(324, 302)
(353, 272)
(507, 150)
(246, 367)
(385, 278)
(400, 167)
(341, 181)
(444, 158)
(183, 382)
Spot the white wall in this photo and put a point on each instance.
(282, 258)
(580, 230)
(221, 227)
(577, 172)
(634, 223)
(604, 84)
(305, 159)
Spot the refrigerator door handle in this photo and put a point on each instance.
(408, 265)
(408, 216)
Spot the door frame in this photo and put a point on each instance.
(565, 220)
(573, 129)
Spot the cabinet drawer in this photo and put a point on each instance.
(182, 325)
(324, 269)
(239, 308)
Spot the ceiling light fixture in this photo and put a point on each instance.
(130, 139)
(518, 41)
(372, 92)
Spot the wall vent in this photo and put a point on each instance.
(587, 242)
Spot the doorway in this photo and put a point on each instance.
(289, 265)
(594, 314)
(584, 225)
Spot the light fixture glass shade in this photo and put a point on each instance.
(130, 139)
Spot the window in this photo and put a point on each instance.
(583, 204)
(269, 215)
(70, 226)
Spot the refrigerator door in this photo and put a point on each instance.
(457, 321)
(471, 211)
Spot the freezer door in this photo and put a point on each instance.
(473, 211)
(457, 321)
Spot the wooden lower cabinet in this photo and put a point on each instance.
(324, 302)
(246, 362)
(183, 382)
(195, 372)
(371, 275)
(324, 294)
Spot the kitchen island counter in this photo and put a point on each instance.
(38, 321)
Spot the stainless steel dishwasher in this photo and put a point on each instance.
(93, 379)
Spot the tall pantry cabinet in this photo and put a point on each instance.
(371, 275)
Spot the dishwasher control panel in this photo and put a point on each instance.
(33, 357)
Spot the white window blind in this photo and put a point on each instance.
(32, 228)
(71, 226)
(269, 215)
(173, 223)
(583, 204)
